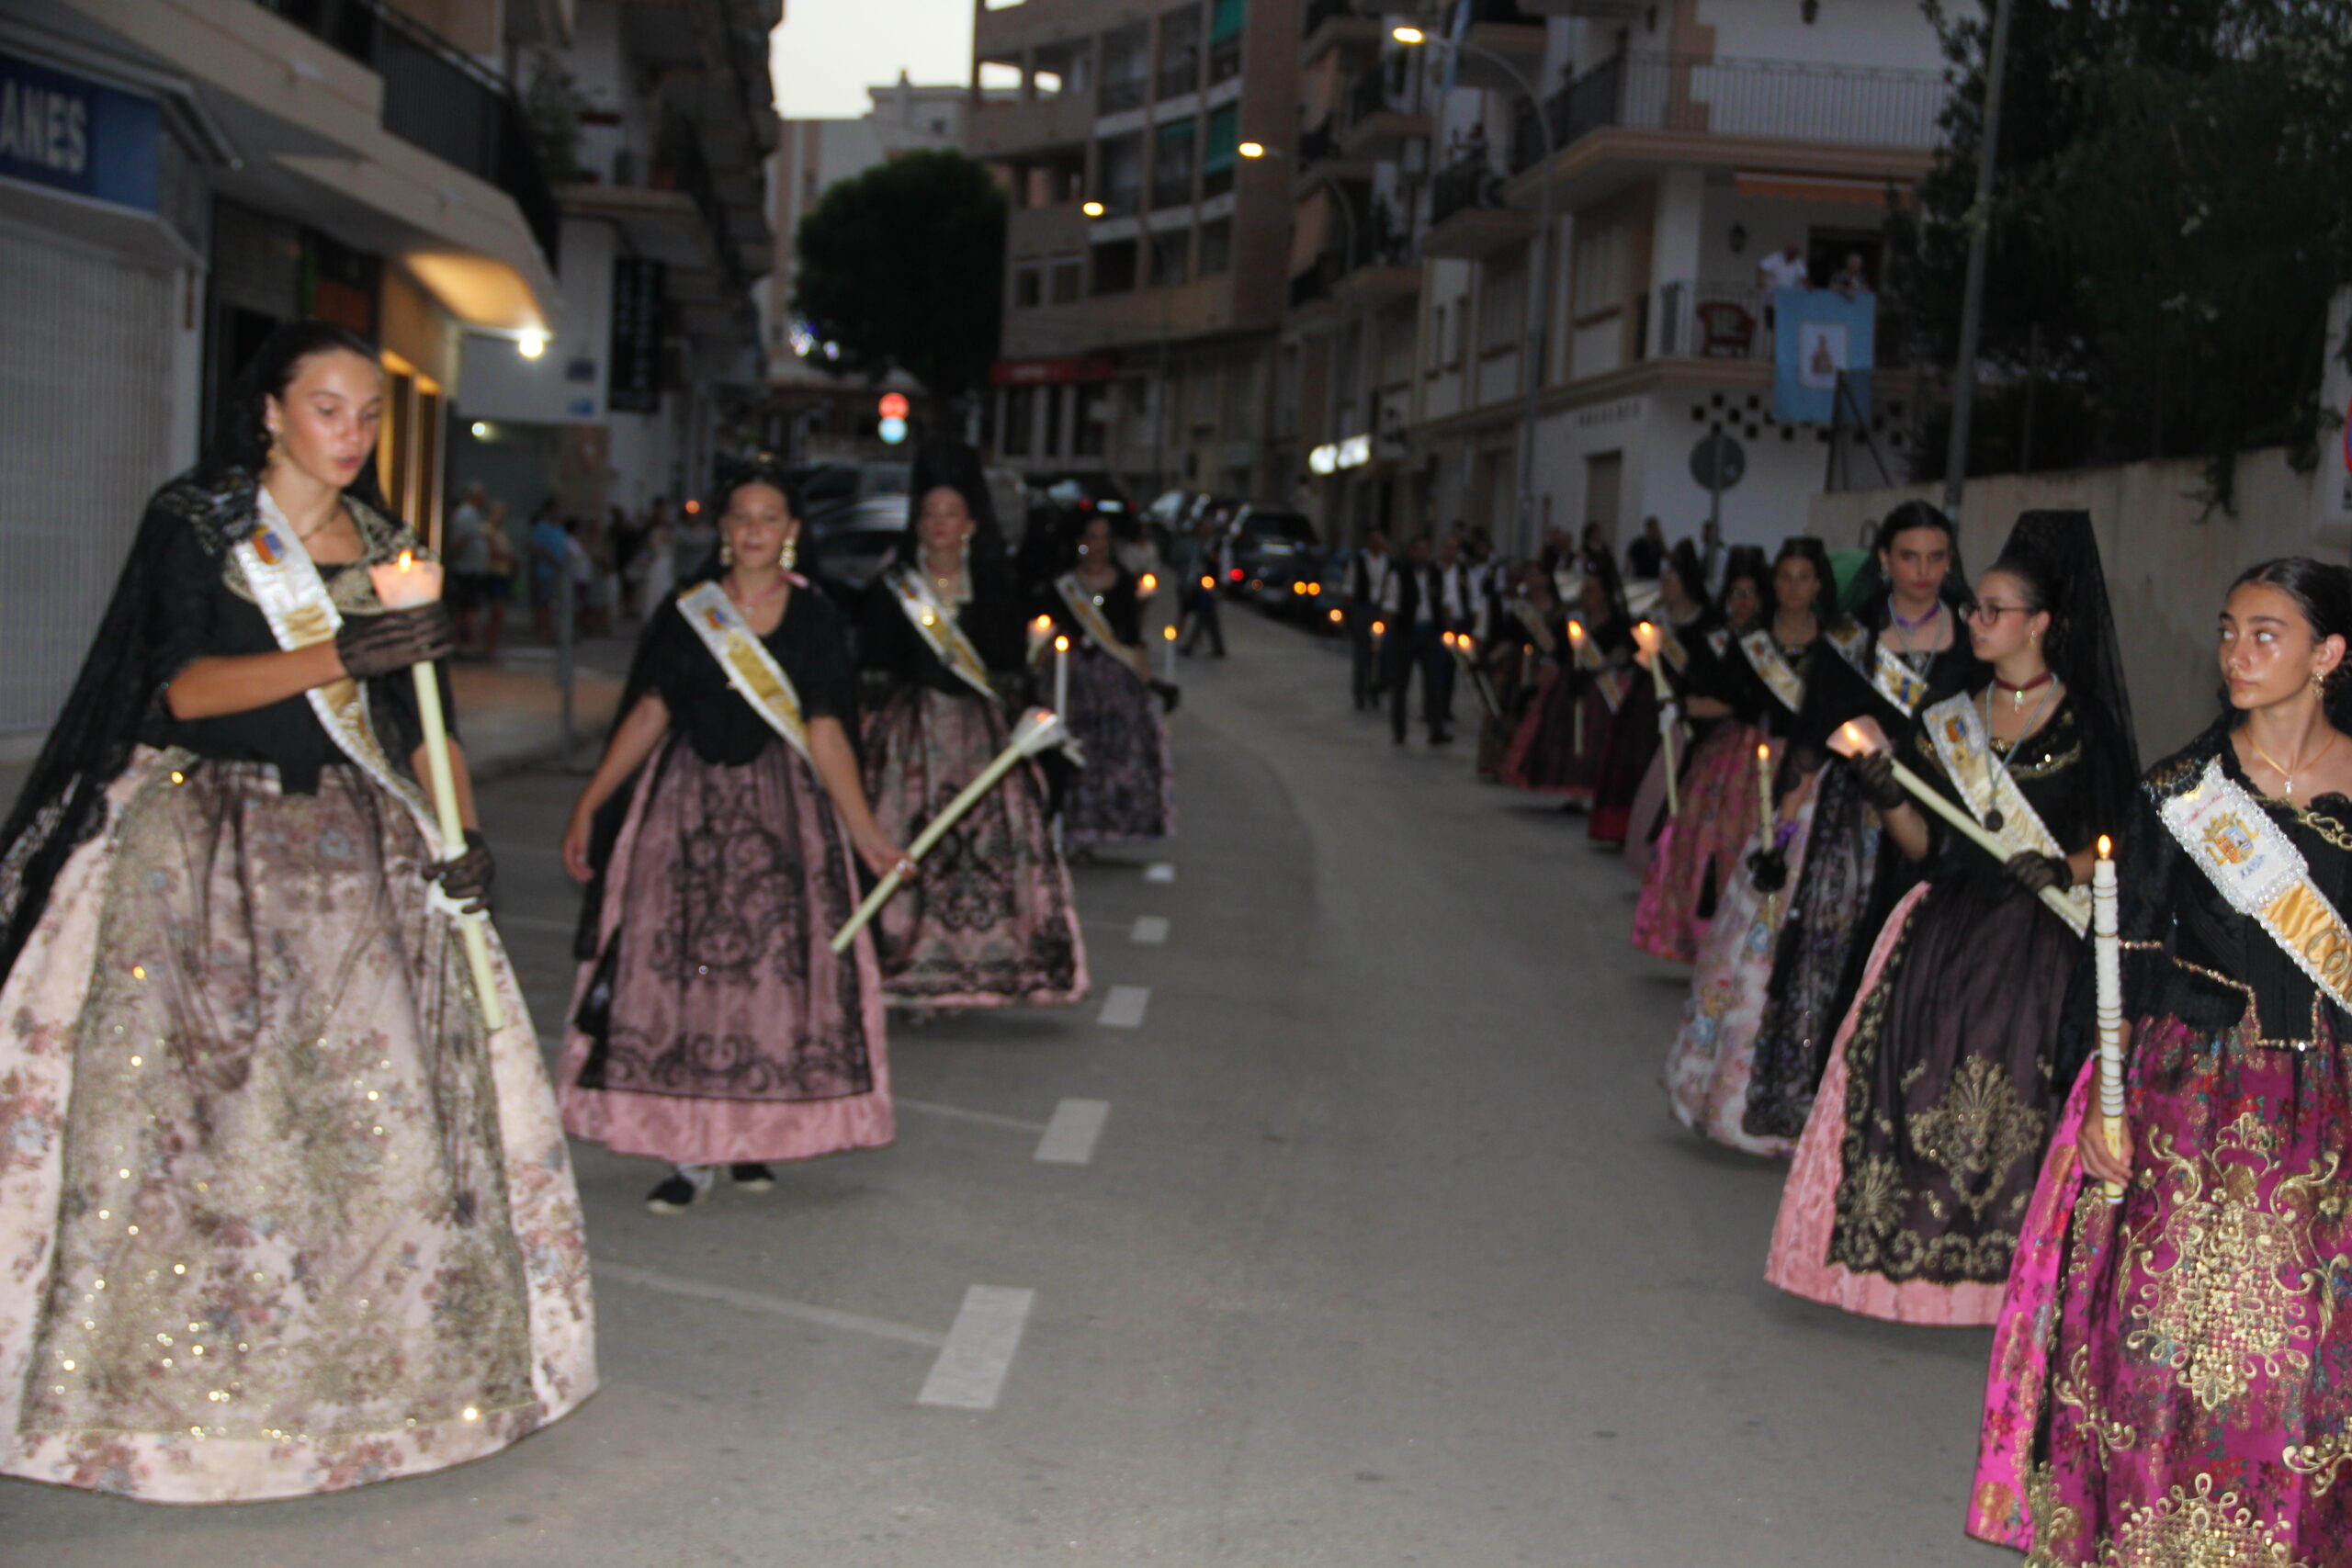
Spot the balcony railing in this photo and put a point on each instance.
(1321, 11)
(1117, 98)
(1729, 318)
(1172, 189)
(1369, 96)
(1780, 100)
(438, 97)
(1225, 59)
(1469, 181)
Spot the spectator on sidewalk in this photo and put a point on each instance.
(1201, 603)
(1367, 584)
(550, 545)
(498, 579)
(466, 553)
(1411, 609)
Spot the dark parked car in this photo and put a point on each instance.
(1272, 551)
(853, 542)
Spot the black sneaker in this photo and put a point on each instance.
(675, 1196)
(752, 1177)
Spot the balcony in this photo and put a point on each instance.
(1173, 188)
(1225, 59)
(997, 130)
(1333, 23)
(1777, 102)
(1508, 34)
(1118, 97)
(1468, 217)
(1724, 319)
(436, 97)
(1179, 76)
(1378, 129)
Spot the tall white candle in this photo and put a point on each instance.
(1764, 784)
(2108, 952)
(1062, 675)
(1168, 653)
(1647, 635)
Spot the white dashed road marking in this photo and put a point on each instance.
(774, 1306)
(970, 1371)
(1071, 1135)
(1151, 931)
(1123, 1009)
(1159, 871)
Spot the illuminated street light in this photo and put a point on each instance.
(1408, 36)
(532, 345)
(1094, 210)
(1251, 148)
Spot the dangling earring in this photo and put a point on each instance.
(790, 554)
(726, 553)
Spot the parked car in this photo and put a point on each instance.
(1271, 549)
(826, 489)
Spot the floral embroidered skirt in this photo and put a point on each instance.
(1708, 1067)
(992, 920)
(1127, 792)
(1919, 1160)
(715, 1026)
(281, 1216)
(1698, 853)
(2169, 1380)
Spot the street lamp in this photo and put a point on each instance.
(1539, 329)
(1160, 414)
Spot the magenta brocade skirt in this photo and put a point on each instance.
(1553, 752)
(2172, 1376)
(991, 922)
(734, 1035)
(1696, 856)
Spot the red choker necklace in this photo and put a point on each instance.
(2016, 693)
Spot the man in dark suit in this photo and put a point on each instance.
(1413, 609)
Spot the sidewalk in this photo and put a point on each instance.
(508, 714)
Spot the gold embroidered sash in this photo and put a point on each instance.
(1533, 619)
(937, 628)
(293, 598)
(1956, 734)
(1896, 682)
(1771, 666)
(752, 671)
(1612, 686)
(2265, 877)
(1089, 616)
(1848, 639)
(1677, 657)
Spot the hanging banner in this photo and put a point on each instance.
(1818, 335)
(641, 298)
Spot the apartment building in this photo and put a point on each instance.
(655, 364)
(1675, 146)
(177, 177)
(1148, 263)
(811, 412)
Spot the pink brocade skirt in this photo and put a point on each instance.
(2168, 1381)
(735, 1034)
(1700, 847)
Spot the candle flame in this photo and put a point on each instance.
(1854, 737)
(1763, 752)
(1149, 582)
(1378, 627)
(1169, 633)
(408, 558)
(1061, 645)
(2106, 847)
(1576, 631)
(1044, 624)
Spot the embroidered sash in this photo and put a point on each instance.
(937, 628)
(1533, 619)
(1848, 639)
(1896, 682)
(1089, 616)
(1771, 666)
(1955, 733)
(293, 598)
(1677, 657)
(2259, 869)
(750, 668)
(1612, 686)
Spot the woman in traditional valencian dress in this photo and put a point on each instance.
(1907, 651)
(282, 1214)
(712, 1023)
(1697, 852)
(2167, 1382)
(1631, 746)
(1709, 1065)
(1559, 745)
(1127, 790)
(1688, 623)
(992, 922)
(1913, 1175)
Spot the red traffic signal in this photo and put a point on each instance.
(894, 405)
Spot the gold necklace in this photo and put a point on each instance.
(2286, 776)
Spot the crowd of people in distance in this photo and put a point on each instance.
(284, 1181)
(1891, 791)
(606, 573)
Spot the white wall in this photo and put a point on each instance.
(1847, 32)
(498, 383)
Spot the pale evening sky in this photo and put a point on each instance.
(829, 52)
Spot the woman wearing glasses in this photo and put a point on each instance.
(1911, 1180)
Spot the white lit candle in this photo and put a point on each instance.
(2108, 955)
(1168, 653)
(1062, 675)
(1764, 784)
(406, 584)
(1646, 634)
(1041, 632)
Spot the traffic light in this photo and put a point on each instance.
(892, 428)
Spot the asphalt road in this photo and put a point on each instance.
(1386, 1251)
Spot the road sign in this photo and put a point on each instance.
(1717, 462)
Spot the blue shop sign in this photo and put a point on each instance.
(71, 133)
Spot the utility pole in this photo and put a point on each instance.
(1980, 221)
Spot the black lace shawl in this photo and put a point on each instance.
(117, 700)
